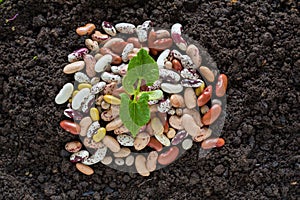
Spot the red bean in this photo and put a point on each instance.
(155, 144)
(70, 126)
(213, 114)
(212, 143)
(221, 85)
(205, 96)
(169, 156)
(135, 41)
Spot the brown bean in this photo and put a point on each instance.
(86, 29)
(84, 169)
(176, 65)
(99, 37)
(73, 146)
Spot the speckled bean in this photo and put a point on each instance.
(92, 129)
(79, 156)
(141, 141)
(92, 45)
(77, 54)
(109, 77)
(163, 139)
(191, 83)
(100, 37)
(98, 87)
(193, 52)
(180, 135)
(96, 157)
(169, 75)
(109, 28)
(81, 77)
(73, 146)
(177, 38)
(126, 28)
(90, 62)
(162, 44)
(88, 103)
(120, 130)
(90, 143)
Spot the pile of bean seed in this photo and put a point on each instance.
(190, 104)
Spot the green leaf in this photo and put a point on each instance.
(141, 58)
(125, 115)
(147, 72)
(153, 95)
(139, 111)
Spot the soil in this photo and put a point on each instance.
(256, 44)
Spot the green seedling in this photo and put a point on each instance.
(134, 108)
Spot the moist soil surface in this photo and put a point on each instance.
(256, 44)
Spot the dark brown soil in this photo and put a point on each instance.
(256, 44)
